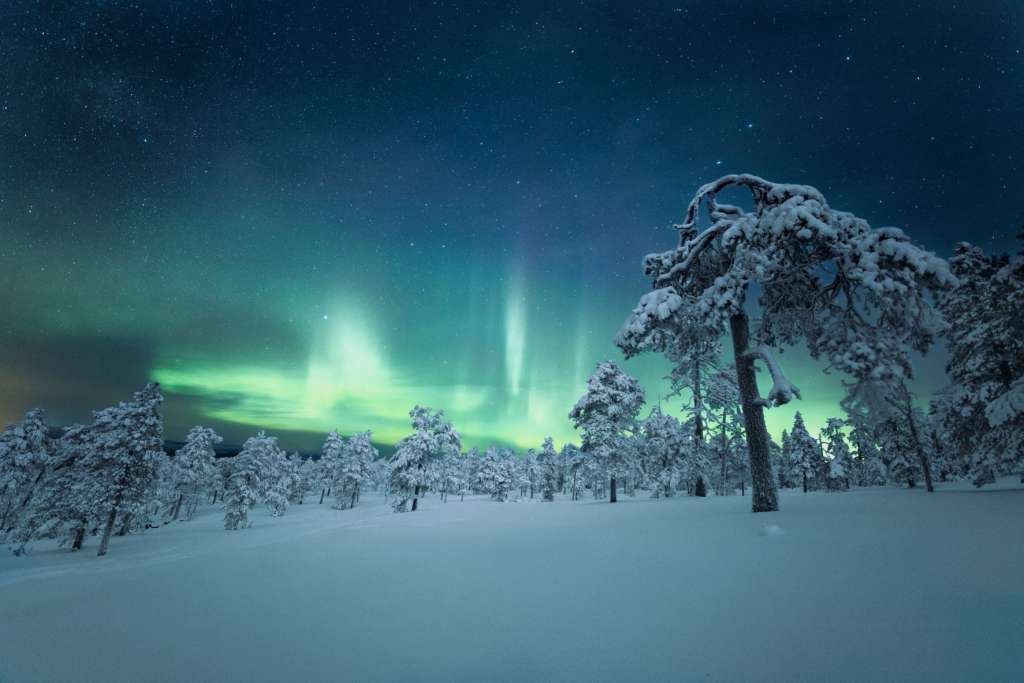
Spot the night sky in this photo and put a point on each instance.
(304, 218)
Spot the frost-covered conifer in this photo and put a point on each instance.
(724, 413)
(353, 470)
(63, 506)
(301, 481)
(854, 295)
(548, 470)
(841, 467)
(787, 468)
(279, 479)
(498, 473)
(26, 451)
(984, 411)
(604, 414)
(806, 453)
(415, 455)
(192, 470)
(331, 454)
(124, 459)
(659, 324)
(247, 479)
(867, 465)
(664, 444)
(573, 460)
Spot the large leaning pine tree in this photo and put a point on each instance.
(792, 270)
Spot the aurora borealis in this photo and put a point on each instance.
(306, 218)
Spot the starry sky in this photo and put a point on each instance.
(306, 216)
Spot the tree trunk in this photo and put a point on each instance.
(108, 528)
(415, 497)
(612, 497)
(700, 489)
(805, 482)
(725, 447)
(763, 497)
(322, 493)
(177, 506)
(125, 526)
(926, 467)
(79, 537)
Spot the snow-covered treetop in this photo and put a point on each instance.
(434, 438)
(132, 428)
(856, 295)
(26, 443)
(609, 406)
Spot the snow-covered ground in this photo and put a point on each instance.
(879, 584)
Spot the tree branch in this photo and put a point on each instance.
(783, 391)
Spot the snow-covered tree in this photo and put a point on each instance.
(889, 406)
(192, 471)
(248, 479)
(573, 460)
(331, 454)
(279, 479)
(984, 411)
(300, 472)
(353, 470)
(415, 455)
(787, 473)
(857, 296)
(841, 468)
(26, 452)
(63, 506)
(664, 444)
(725, 415)
(660, 324)
(867, 465)
(604, 414)
(806, 453)
(548, 470)
(498, 473)
(124, 458)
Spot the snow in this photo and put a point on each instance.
(871, 584)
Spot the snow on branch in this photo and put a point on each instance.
(783, 391)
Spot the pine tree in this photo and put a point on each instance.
(841, 463)
(26, 452)
(604, 414)
(124, 458)
(497, 476)
(857, 296)
(248, 479)
(664, 444)
(331, 454)
(415, 455)
(63, 506)
(984, 412)
(353, 470)
(192, 470)
(300, 468)
(548, 470)
(573, 459)
(805, 452)
(279, 479)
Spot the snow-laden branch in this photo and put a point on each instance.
(759, 187)
(783, 391)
